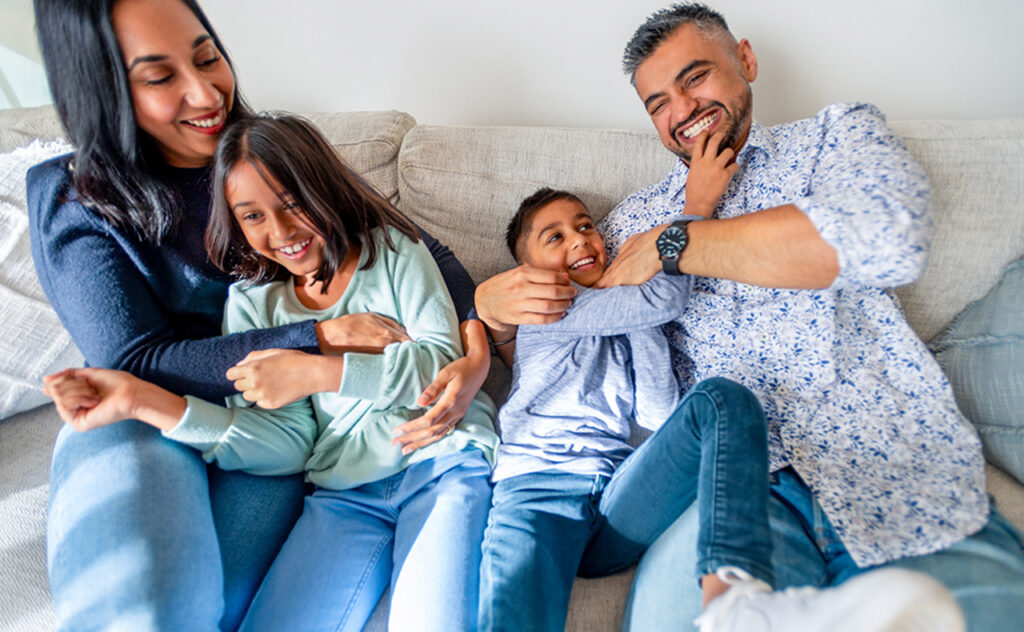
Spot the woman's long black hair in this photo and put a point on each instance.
(117, 170)
(295, 159)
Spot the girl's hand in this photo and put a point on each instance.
(451, 392)
(710, 173)
(363, 333)
(92, 398)
(273, 378)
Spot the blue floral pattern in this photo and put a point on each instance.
(855, 402)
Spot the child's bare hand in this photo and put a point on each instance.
(710, 173)
(90, 398)
(273, 378)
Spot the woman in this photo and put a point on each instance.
(141, 533)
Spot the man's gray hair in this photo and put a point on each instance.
(661, 24)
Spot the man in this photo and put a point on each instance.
(872, 463)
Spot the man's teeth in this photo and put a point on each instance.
(581, 263)
(698, 127)
(210, 122)
(294, 248)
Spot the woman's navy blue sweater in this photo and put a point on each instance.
(155, 311)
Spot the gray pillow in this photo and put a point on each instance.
(982, 353)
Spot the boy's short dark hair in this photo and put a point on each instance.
(527, 208)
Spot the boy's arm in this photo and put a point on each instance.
(655, 387)
(623, 309)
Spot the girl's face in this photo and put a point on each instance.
(273, 224)
(182, 88)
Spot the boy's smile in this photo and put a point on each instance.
(561, 237)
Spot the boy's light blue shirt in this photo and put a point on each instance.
(577, 382)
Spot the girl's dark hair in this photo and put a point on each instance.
(527, 209)
(118, 170)
(296, 160)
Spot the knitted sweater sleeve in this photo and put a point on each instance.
(112, 313)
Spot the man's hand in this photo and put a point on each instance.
(523, 295)
(273, 378)
(637, 261)
(710, 173)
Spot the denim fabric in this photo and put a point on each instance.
(545, 528)
(142, 535)
(984, 571)
(419, 529)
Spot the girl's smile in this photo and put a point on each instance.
(272, 222)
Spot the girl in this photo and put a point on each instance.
(310, 239)
(144, 90)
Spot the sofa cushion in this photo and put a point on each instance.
(368, 142)
(977, 180)
(463, 184)
(32, 340)
(982, 353)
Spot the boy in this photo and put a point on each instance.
(572, 496)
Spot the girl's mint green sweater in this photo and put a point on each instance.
(343, 439)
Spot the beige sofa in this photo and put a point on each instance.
(461, 184)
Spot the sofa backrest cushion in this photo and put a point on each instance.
(464, 183)
(976, 170)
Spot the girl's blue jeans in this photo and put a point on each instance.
(419, 530)
(545, 528)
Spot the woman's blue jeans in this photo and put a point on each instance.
(143, 535)
(545, 528)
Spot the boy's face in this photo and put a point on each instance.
(561, 237)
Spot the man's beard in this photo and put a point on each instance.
(734, 124)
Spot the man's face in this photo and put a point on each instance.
(695, 82)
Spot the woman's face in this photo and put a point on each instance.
(182, 87)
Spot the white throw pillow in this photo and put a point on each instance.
(33, 342)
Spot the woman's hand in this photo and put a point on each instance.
(273, 378)
(92, 398)
(362, 333)
(451, 392)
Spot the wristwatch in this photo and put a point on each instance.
(671, 243)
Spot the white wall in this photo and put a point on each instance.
(556, 62)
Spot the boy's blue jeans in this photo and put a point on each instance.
(546, 527)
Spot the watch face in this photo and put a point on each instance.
(671, 242)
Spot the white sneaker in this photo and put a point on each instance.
(885, 600)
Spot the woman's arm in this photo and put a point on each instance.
(112, 294)
(109, 292)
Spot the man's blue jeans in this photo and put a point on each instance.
(546, 527)
(984, 571)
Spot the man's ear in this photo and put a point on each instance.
(748, 60)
